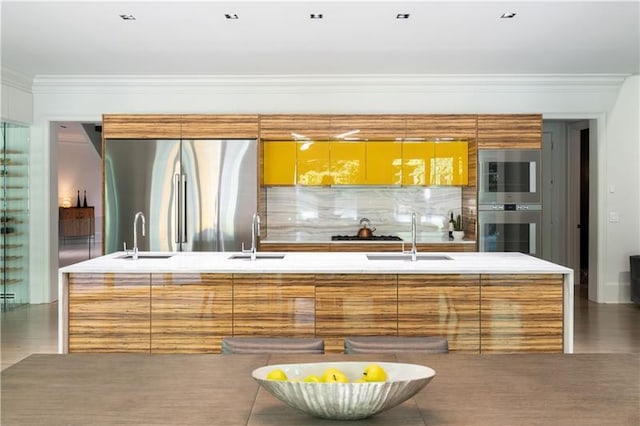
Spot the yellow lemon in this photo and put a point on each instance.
(313, 379)
(374, 373)
(337, 377)
(329, 372)
(277, 374)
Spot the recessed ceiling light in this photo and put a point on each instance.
(316, 16)
(128, 17)
(231, 16)
(402, 16)
(508, 15)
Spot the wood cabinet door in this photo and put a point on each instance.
(441, 305)
(190, 313)
(432, 126)
(368, 127)
(141, 126)
(294, 127)
(274, 305)
(521, 313)
(355, 305)
(219, 126)
(109, 312)
(510, 131)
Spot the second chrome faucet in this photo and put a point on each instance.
(139, 215)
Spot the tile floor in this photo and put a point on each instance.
(597, 327)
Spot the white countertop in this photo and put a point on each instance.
(320, 262)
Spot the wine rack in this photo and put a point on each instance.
(14, 215)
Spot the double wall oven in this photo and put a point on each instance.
(509, 201)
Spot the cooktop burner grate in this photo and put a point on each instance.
(372, 238)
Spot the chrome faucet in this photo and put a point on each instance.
(255, 233)
(414, 247)
(139, 215)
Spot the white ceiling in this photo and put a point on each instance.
(358, 37)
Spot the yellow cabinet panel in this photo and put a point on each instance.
(384, 163)
(313, 160)
(450, 164)
(279, 163)
(416, 162)
(348, 161)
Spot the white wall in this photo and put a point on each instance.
(87, 98)
(620, 194)
(17, 100)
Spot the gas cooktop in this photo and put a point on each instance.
(372, 238)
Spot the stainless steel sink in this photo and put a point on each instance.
(406, 257)
(259, 256)
(142, 256)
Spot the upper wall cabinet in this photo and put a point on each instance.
(206, 126)
(384, 163)
(141, 126)
(367, 127)
(279, 163)
(513, 131)
(348, 163)
(295, 127)
(450, 164)
(175, 126)
(417, 158)
(313, 163)
(432, 126)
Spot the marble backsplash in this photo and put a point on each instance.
(306, 214)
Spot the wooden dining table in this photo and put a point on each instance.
(156, 389)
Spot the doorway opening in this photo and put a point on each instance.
(568, 166)
(79, 154)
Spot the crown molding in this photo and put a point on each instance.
(15, 79)
(322, 82)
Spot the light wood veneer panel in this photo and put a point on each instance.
(109, 313)
(141, 126)
(429, 126)
(219, 126)
(281, 126)
(190, 313)
(521, 313)
(294, 247)
(371, 127)
(441, 305)
(274, 305)
(510, 131)
(365, 247)
(355, 305)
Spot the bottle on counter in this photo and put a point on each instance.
(78, 199)
(84, 203)
(451, 227)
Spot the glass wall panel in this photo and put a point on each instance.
(14, 215)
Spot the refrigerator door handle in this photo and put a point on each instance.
(184, 209)
(176, 205)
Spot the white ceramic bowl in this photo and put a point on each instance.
(345, 401)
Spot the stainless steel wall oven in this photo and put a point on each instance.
(509, 176)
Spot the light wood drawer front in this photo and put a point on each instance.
(273, 305)
(521, 313)
(209, 126)
(441, 305)
(109, 313)
(356, 305)
(190, 313)
(510, 131)
(141, 126)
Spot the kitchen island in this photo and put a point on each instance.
(187, 302)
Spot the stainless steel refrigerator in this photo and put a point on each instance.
(196, 195)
